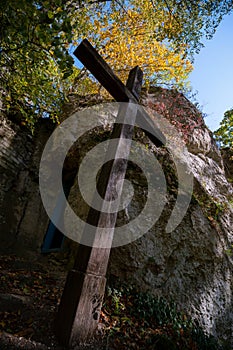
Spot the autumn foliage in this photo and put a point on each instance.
(127, 41)
(38, 37)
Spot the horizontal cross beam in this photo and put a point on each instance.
(91, 59)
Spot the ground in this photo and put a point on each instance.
(29, 298)
(30, 292)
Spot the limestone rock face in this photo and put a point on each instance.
(192, 264)
(23, 220)
(15, 156)
(227, 156)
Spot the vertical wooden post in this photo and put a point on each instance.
(81, 302)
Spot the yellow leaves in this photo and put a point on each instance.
(126, 38)
(106, 34)
(97, 24)
(58, 10)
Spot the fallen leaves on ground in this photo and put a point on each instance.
(29, 296)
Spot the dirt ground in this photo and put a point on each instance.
(29, 297)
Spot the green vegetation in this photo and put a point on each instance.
(137, 320)
(37, 72)
(225, 133)
(211, 206)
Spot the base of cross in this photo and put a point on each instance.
(85, 298)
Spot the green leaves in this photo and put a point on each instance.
(136, 320)
(50, 14)
(34, 57)
(37, 71)
(225, 133)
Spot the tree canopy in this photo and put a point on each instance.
(224, 134)
(37, 71)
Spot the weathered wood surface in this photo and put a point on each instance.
(94, 260)
(81, 301)
(91, 59)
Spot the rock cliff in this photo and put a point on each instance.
(192, 264)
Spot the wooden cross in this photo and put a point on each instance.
(81, 302)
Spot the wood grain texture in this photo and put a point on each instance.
(82, 297)
(91, 59)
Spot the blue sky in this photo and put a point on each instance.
(212, 76)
